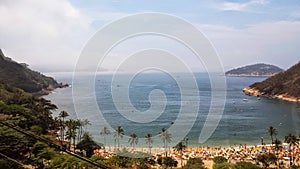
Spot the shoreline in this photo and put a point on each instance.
(233, 154)
(248, 75)
(255, 92)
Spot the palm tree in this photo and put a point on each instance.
(72, 126)
(62, 115)
(179, 147)
(133, 140)
(272, 131)
(149, 141)
(119, 134)
(81, 124)
(292, 140)
(105, 131)
(165, 137)
(278, 145)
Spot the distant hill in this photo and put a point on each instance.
(20, 76)
(260, 69)
(285, 86)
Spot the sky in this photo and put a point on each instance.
(49, 35)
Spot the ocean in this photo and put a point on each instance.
(245, 119)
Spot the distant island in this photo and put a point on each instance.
(284, 86)
(20, 76)
(259, 69)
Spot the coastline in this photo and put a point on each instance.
(49, 89)
(233, 154)
(255, 92)
(248, 75)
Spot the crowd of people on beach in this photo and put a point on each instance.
(286, 154)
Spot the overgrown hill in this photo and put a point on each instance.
(285, 85)
(20, 76)
(260, 69)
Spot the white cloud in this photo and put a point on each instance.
(273, 42)
(42, 32)
(239, 6)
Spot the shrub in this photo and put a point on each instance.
(219, 160)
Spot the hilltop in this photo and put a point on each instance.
(20, 76)
(259, 69)
(284, 85)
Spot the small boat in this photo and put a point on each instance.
(245, 100)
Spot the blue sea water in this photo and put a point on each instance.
(244, 121)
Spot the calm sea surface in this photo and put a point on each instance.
(245, 119)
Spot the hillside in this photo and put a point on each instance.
(260, 69)
(285, 86)
(20, 76)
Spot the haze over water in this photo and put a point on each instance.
(245, 119)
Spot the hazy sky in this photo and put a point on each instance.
(50, 34)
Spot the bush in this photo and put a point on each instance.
(219, 160)
(223, 166)
(295, 167)
(8, 164)
(167, 161)
(194, 163)
(267, 159)
(245, 165)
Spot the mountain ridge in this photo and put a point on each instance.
(283, 86)
(20, 76)
(259, 69)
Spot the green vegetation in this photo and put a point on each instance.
(194, 163)
(133, 140)
(149, 141)
(18, 75)
(25, 120)
(219, 160)
(245, 165)
(267, 159)
(255, 70)
(273, 132)
(167, 162)
(221, 163)
(287, 83)
(87, 144)
(119, 134)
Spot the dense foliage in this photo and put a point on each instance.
(18, 75)
(194, 163)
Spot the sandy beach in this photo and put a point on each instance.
(232, 153)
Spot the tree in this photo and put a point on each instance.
(62, 115)
(245, 165)
(219, 160)
(194, 163)
(179, 147)
(7, 164)
(272, 131)
(267, 159)
(167, 162)
(105, 131)
(72, 126)
(81, 124)
(292, 141)
(278, 145)
(42, 152)
(88, 144)
(119, 134)
(165, 137)
(223, 166)
(133, 140)
(149, 141)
